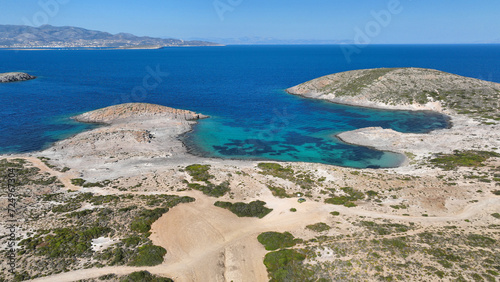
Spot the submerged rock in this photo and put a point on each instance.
(15, 76)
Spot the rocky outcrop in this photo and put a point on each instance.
(405, 88)
(123, 112)
(15, 76)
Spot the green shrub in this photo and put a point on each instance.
(131, 241)
(354, 194)
(252, 209)
(80, 214)
(148, 255)
(496, 215)
(278, 192)
(445, 263)
(386, 228)
(303, 180)
(480, 241)
(280, 264)
(144, 276)
(275, 240)
(67, 207)
(347, 200)
(64, 242)
(77, 181)
(199, 172)
(462, 158)
(211, 189)
(319, 227)
(142, 223)
(341, 200)
(102, 199)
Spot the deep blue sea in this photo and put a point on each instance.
(240, 87)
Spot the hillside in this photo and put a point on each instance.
(20, 36)
(407, 88)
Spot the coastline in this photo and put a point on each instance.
(105, 48)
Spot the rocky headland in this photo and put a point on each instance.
(134, 134)
(473, 106)
(405, 89)
(15, 76)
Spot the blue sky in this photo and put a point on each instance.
(411, 21)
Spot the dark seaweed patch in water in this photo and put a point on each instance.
(360, 153)
(247, 147)
(313, 129)
(297, 139)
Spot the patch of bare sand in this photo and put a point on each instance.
(212, 244)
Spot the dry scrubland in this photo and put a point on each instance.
(111, 203)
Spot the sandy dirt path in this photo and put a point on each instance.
(64, 177)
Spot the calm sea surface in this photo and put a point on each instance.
(240, 87)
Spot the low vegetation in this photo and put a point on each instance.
(148, 255)
(275, 240)
(63, 242)
(199, 172)
(462, 159)
(210, 189)
(67, 242)
(385, 228)
(350, 196)
(285, 265)
(142, 222)
(303, 179)
(143, 276)
(279, 192)
(319, 227)
(252, 209)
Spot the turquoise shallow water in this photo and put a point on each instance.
(240, 87)
(305, 131)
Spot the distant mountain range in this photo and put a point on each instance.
(47, 36)
(256, 40)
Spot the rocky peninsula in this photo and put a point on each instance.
(137, 133)
(473, 106)
(15, 76)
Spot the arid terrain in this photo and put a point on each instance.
(127, 197)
